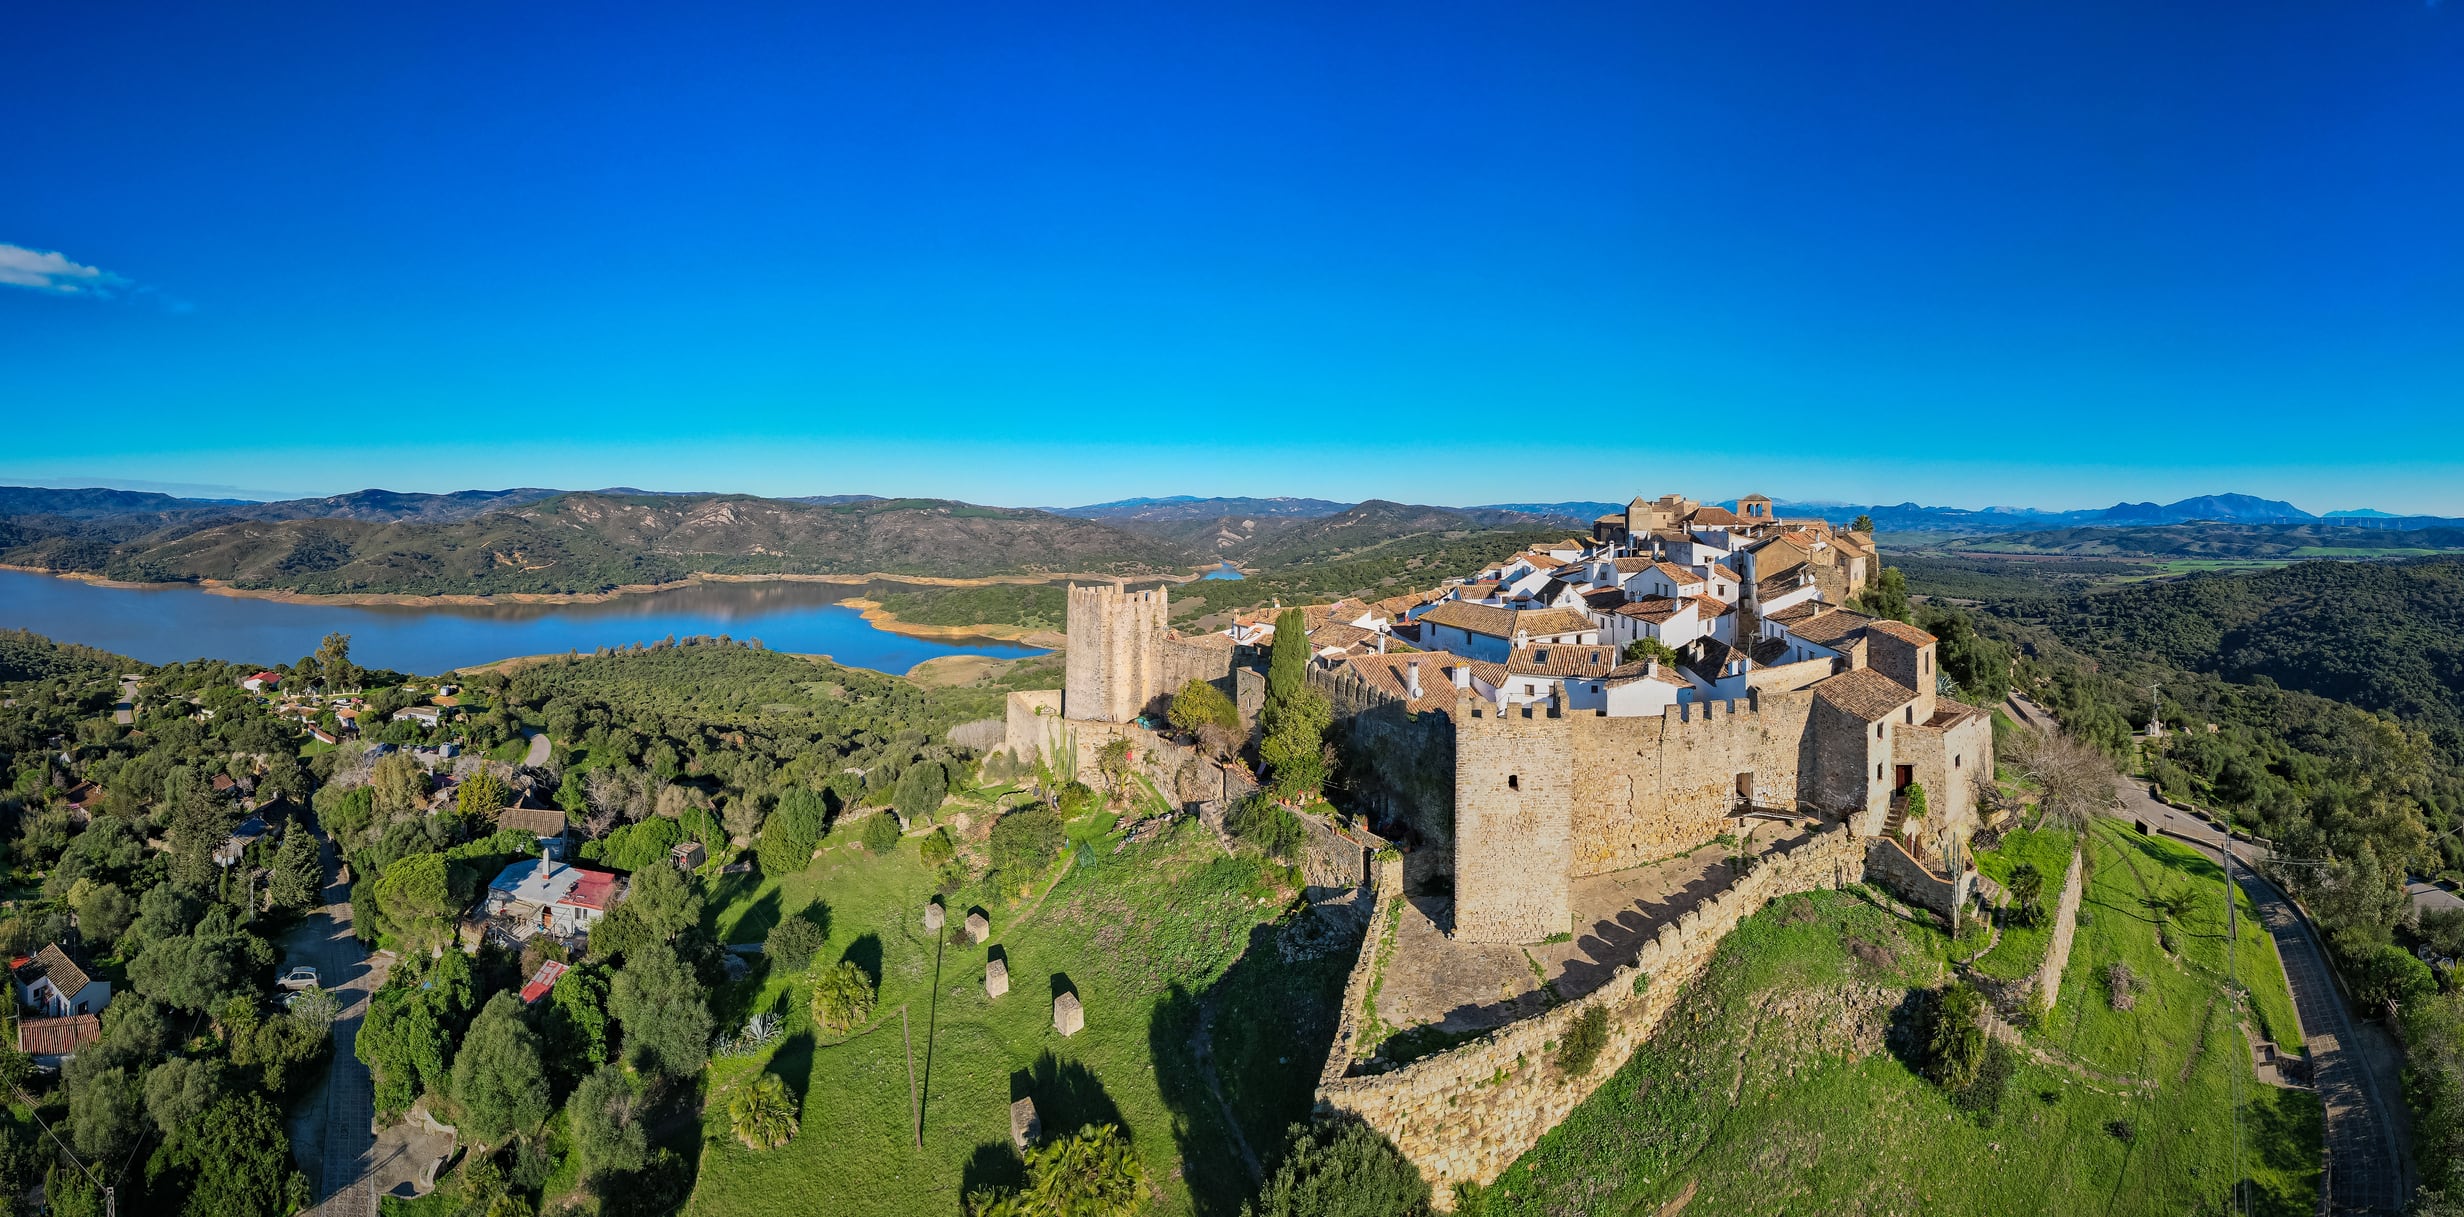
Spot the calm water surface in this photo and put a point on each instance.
(168, 624)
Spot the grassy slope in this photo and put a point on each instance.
(1135, 935)
(1813, 1128)
(2022, 947)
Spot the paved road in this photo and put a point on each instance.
(345, 1134)
(2427, 897)
(538, 754)
(2353, 1065)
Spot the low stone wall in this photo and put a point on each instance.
(1888, 862)
(2065, 927)
(1465, 1115)
(1033, 727)
(1335, 856)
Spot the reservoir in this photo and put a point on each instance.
(175, 622)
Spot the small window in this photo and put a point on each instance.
(1514, 781)
(1954, 761)
(1912, 714)
(1877, 772)
(1877, 730)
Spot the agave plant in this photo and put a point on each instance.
(761, 1113)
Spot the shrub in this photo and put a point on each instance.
(1258, 819)
(937, 849)
(2122, 986)
(1092, 1173)
(1199, 705)
(1916, 801)
(791, 832)
(761, 1114)
(2027, 889)
(792, 942)
(921, 789)
(1343, 1169)
(1584, 1040)
(637, 846)
(881, 833)
(2390, 973)
(1025, 841)
(1955, 1039)
(842, 997)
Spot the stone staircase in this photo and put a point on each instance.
(1898, 818)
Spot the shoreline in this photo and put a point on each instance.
(220, 587)
(884, 619)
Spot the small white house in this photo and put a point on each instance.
(52, 984)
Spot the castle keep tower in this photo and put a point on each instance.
(1115, 665)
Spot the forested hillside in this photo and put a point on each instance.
(2382, 636)
(585, 543)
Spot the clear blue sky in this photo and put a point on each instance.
(2042, 253)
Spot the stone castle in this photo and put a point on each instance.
(1495, 728)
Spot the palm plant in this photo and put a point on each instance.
(842, 997)
(761, 1114)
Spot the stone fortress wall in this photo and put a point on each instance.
(1543, 798)
(1465, 1115)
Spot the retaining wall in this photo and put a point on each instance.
(1890, 864)
(1465, 1115)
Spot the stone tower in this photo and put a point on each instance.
(1115, 661)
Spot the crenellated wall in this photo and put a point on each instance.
(1543, 798)
(1466, 1114)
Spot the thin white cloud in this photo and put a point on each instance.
(47, 271)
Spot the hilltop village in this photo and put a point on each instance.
(1538, 751)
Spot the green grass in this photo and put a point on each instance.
(1779, 1085)
(2127, 870)
(2021, 949)
(1137, 935)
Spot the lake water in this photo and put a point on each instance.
(168, 624)
(1224, 571)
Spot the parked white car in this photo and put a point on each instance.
(298, 978)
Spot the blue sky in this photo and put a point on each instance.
(2034, 253)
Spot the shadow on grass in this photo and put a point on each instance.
(757, 920)
(993, 1165)
(1068, 1096)
(1268, 1025)
(865, 953)
(793, 1062)
(1904, 1037)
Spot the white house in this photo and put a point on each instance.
(1480, 631)
(52, 984)
(541, 894)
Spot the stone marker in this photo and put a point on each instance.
(978, 928)
(933, 916)
(1026, 1128)
(1067, 1017)
(996, 978)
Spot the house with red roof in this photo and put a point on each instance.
(542, 981)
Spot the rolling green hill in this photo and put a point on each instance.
(589, 542)
(2382, 636)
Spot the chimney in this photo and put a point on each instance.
(1411, 679)
(1462, 676)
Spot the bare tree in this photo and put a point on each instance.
(2075, 781)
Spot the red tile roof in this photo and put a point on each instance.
(58, 1036)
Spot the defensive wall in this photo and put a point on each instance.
(1890, 863)
(1398, 767)
(1123, 658)
(1543, 797)
(1034, 728)
(1464, 1115)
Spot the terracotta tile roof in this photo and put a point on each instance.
(535, 820)
(1832, 629)
(1472, 618)
(1604, 599)
(542, 981)
(1723, 572)
(1796, 612)
(58, 1036)
(53, 962)
(1676, 573)
(1709, 516)
(1656, 609)
(1554, 621)
(1864, 693)
(1902, 631)
(1337, 634)
(1713, 606)
(1390, 674)
(1562, 659)
(1952, 713)
(1397, 607)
